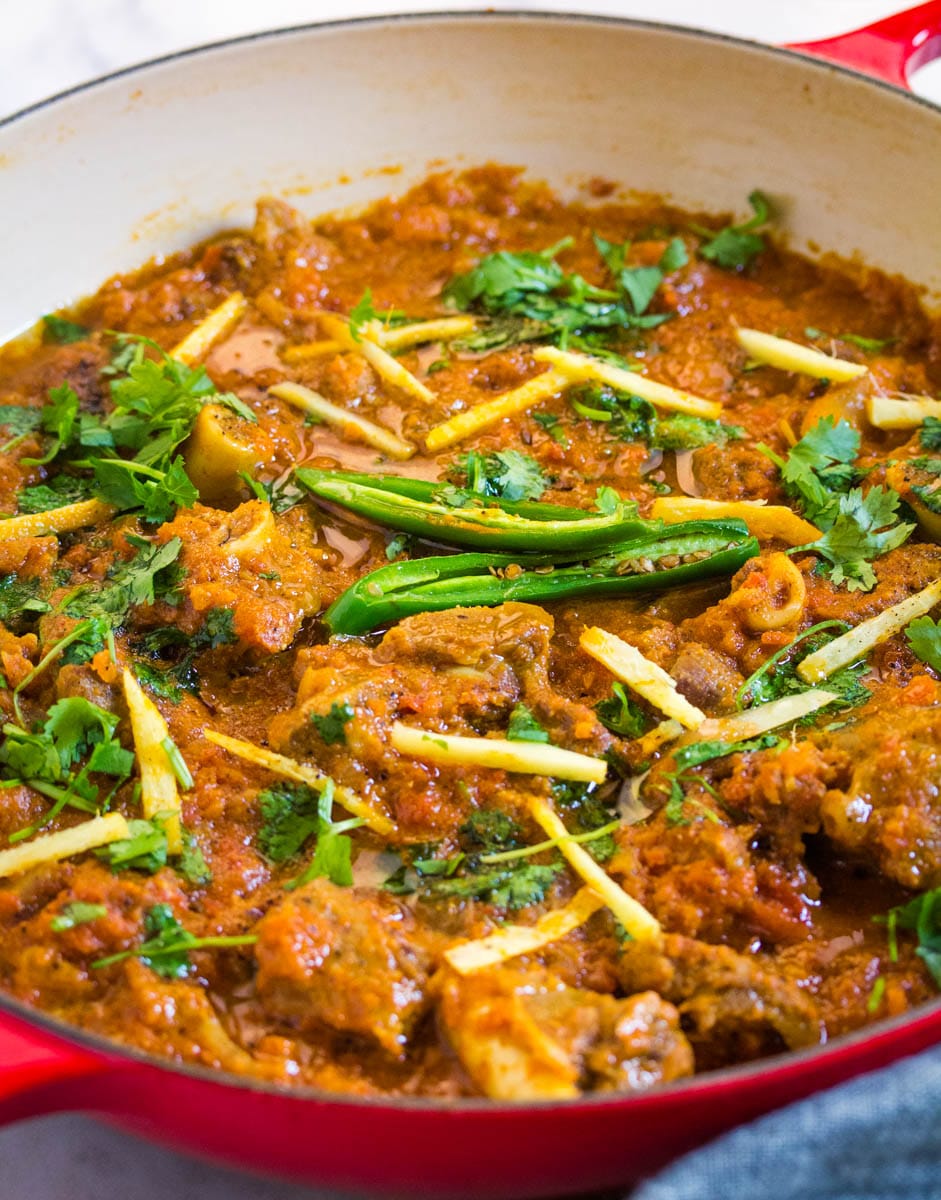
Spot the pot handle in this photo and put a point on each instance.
(889, 49)
(38, 1070)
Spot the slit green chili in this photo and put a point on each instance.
(693, 550)
(459, 516)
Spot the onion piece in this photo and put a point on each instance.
(630, 808)
(685, 475)
(651, 462)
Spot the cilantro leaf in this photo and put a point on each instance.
(77, 913)
(74, 729)
(922, 915)
(686, 758)
(167, 947)
(62, 331)
(501, 280)
(534, 299)
(924, 637)
(216, 630)
(489, 829)
(635, 420)
(930, 433)
(58, 417)
(75, 725)
(736, 246)
(584, 806)
(819, 466)
(157, 493)
(865, 527)
(524, 727)
(192, 863)
(640, 284)
(778, 675)
(507, 474)
(511, 886)
(698, 753)
(156, 403)
(364, 311)
(819, 472)
(18, 419)
(332, 725)
(333, 860)
(20, 600)
(148, 576)
(168, 682)
(54, 493)
(29, 756)
(144, 849)
(621, 714)
(162, 681)
(290, 815)
(924, 479)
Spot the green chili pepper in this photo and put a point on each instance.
(693, 550)
(458, 516)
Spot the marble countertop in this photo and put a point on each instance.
(50, 45)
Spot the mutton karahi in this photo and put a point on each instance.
(480, 646)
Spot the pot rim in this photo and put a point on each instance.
(777, 1066)
(475, 15)
(781, 1065)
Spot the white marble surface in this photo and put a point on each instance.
(49, 45)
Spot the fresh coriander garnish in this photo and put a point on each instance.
(508, 474)
(77, 913)
(523, 726)
(167, 947)
(63, 331)
(736, 246)
(292, 813)
(332, 725)
(819, 473)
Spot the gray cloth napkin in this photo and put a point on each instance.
(876, 1138)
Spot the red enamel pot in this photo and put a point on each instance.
(157, 157)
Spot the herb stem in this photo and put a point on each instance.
(241, 939)
(51, 655)
(550, 843)
(756, 676)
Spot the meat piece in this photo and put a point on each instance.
(888, 811)
(175, 1018)
(461, 672)
(334, 956)
(16, 655)
(265, 570)
(734, 1007)
(79, 679)
(527, 1036)
(474, 637)
(706, 679)
(842, 974)
(782, 791)
(707, 879)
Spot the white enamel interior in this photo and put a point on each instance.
(148, 161)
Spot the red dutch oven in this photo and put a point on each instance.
(153, 158)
